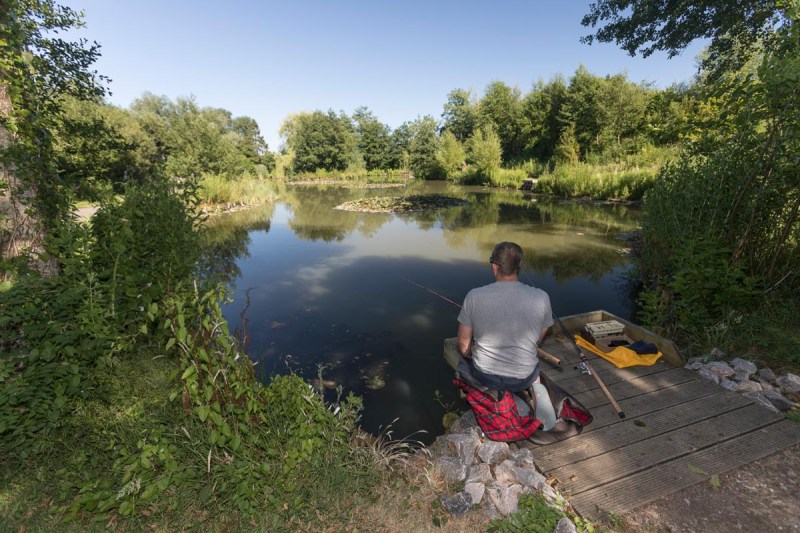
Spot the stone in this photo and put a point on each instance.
(777, 399)
(696, 365)
(479, 473)
(457, 504)
(530, 477)
(476, 491)
(464, 446)
(720, 368)
(725, 383)
(506, 472)
(789, 385)
(748, 386)
(468, 421)
(742, 376)
(716, 353)
(548, 492)
(521, 457)
(760, 399)
(565, 525)
(701, 359)
(505, 498)
(767, 374)
(742, 365)
(452, 469)
(708, 374)
(493, 452)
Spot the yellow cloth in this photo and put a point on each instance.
(620, 356)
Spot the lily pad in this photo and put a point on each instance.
(401, 204)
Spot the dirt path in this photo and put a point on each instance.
(86, 213)
(762, 496)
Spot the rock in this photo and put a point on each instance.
(716, 353)
(479, 473)
(565, 525)
(742, 376)
(777, 399)
(492, 452)
(708, 374)
(742, 365)
(701, 359)
(505, 498)
(476, 491)
(521, 457)
(457, 504)
(789, 385)
(767, 374)
(464, 446)
(761, 399)
(720, 368)
(697, 365)
(468, 421)
(506, 473)
(748, 386)
(530, 477)
(452, 469)
(725, 383)
(548, 492)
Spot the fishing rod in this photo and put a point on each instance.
(550, 358)
(584, 365)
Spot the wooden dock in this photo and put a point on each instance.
(680, 429)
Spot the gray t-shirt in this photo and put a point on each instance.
(506, 318)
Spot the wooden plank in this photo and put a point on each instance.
(578, 383)
(628, 431)
(643, 487)
(639, 406)
(617, 463)
(636, 387)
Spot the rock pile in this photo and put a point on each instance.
(778, 393)
(494, 474)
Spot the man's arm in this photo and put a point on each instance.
(465, 341)
(541, 337)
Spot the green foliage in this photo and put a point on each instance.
(373, 139)
(598, 181)
(567, 150)
(649, 27)
(485, 151)
(534, 516)
(460, 114)
(451, 155)
(320, 141)
(37, 68)
(216, 190)
(423, 148)
(501, 110)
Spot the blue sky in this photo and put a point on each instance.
(267, 59)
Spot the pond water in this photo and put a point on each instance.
(314, 286)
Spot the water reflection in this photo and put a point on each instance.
(327, 287)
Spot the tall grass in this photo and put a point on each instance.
(249, 190)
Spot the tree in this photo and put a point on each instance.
(582, 109)
(451, 155)
(250, 142)
(423, 147)
(485, 152)
(666, 25)
(623, 105)
(501, 106)
(319, 141)
(568, 150)
(373, 140)
(541, 108)
(460, 116)
(36, 69)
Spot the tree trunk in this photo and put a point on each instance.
(20, 231)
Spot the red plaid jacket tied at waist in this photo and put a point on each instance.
(499, 420)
